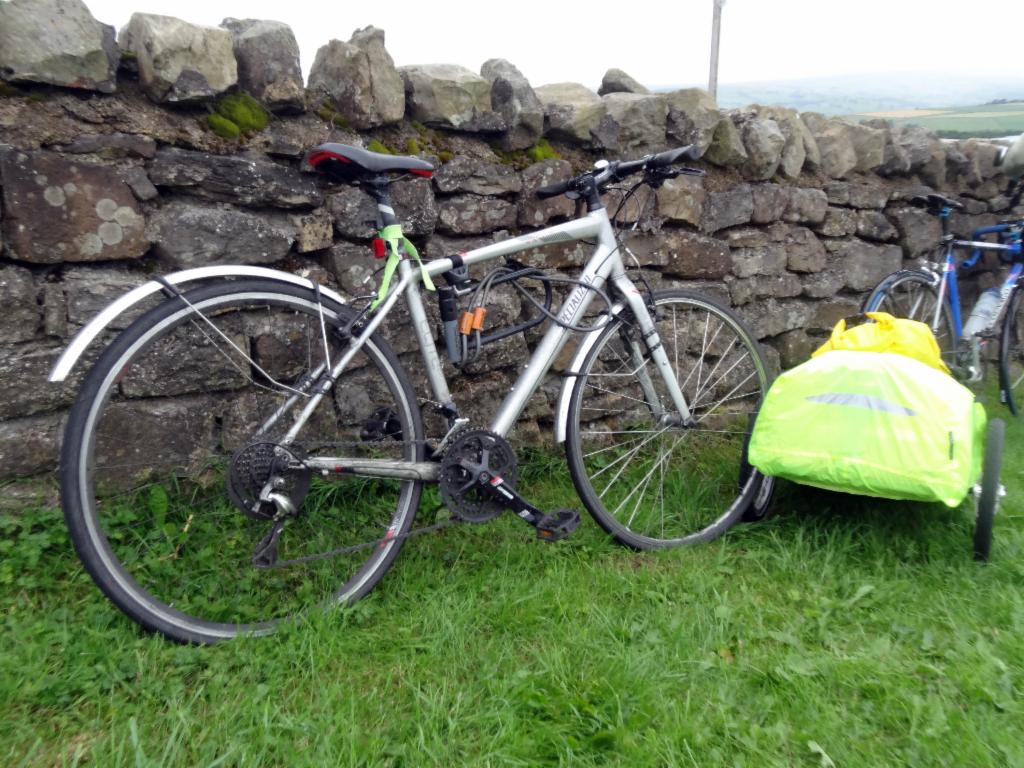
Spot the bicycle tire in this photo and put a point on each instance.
(724, 377)
(988, 499)
(1011, 354)
(760, 507)
(911, 294)
(165, 436)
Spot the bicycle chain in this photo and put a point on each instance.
(366, 544)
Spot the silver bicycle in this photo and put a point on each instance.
(252, 447)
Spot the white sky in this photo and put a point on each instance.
(658, 43)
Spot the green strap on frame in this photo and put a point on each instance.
(393, 237)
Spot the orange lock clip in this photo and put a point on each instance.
(478, 318)
(466, 323)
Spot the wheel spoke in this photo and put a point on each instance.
(175, 477)
(659, 484)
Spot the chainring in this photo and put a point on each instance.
(251, 468)
(471, 452)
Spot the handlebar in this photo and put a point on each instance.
(608, 173)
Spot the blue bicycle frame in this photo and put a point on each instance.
(1011, 248)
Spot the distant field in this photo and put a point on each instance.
(982, 120)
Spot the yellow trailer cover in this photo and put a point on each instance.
(871, 423)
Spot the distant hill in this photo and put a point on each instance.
(861, 94)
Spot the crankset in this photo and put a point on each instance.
(477, 483)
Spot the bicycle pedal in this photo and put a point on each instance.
(558, 525)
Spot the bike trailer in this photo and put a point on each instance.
(871, 423)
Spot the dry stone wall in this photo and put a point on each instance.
(110, 172)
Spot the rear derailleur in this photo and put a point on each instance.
(477, 483)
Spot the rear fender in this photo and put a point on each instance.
(115, 309)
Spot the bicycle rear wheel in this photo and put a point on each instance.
(649, 484)
(912, 295)
(1011, 354)
(172, 440)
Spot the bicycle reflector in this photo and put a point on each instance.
(380, 248)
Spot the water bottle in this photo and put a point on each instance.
(983, 314)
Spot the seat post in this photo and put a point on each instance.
(379, 189)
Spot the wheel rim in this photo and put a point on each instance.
(649, 482)
(156, 451)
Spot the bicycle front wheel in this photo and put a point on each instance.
(646, 479)
(178, 436)
(1011, 354)
(913, 295)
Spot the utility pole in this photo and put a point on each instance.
(716, 25)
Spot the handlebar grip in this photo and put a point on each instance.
(553, 190)
(671, 156)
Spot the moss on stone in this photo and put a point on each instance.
(223, 127)
(420, 128)
(445, 156)
(412, 147)
(542, 150)
(325, 113)
(376, 146)
(244, 111)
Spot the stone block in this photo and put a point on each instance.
(466, 174)
(20, 318)
(360, 80)
(29, 445)
(571, 111)
(684, 254)
(770, 202)
(682, 199)
(450, 96)
(267, 57)
(806, 206)
(804, 251)
(188, 234)
(473, 215)
(517, 103)
(865, 265)
(631, 123)
(693, 117)
(60, 211)
(727, 209)
(233, 179)
(180, 62)
(533, 212)
(57, 42)
(763, 141)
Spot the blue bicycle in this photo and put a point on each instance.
(930, 294)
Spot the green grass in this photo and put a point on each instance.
(844, 631)
(983, 120)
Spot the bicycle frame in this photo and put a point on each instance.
(604, 266)
(947, 280)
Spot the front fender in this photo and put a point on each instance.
(586, 344)
(90, 331)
